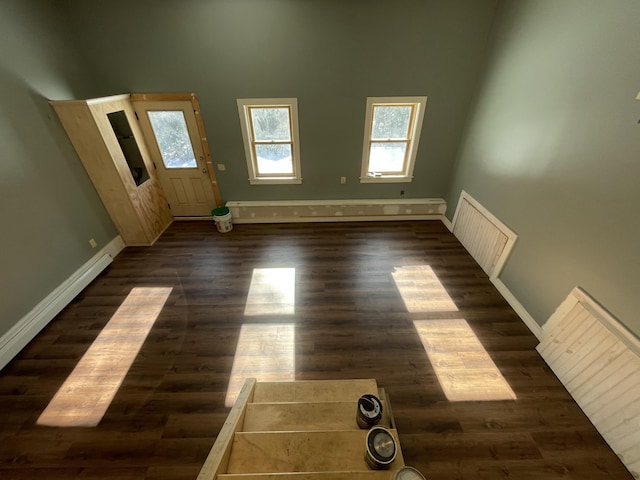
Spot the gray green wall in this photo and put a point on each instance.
(552, 148)
(48, 207)
(329, 54)
(542, 131)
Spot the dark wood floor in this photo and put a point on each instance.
(350, 322)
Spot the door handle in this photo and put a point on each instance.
(204, 170)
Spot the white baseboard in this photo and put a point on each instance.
(528, 320)
(30, 325)
(447, 223)
(286, 211)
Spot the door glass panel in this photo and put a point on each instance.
(172, 136)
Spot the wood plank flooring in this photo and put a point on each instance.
(358, 289)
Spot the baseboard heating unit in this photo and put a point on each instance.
(336, 210)
(598, 361)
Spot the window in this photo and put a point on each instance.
(172, 136)
(270, 134)
(392, 133)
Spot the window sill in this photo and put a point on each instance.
(386, 179)
(275, 181)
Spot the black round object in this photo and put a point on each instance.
(369, 411)
(380, 448)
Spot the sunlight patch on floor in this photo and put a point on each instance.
(421, 289)
(265, 352)
(463, 367)
(87, 393)
(272, 292)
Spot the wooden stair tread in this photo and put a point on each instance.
(307, 429)
(263, 417)
(311, 451)
(313, 391)
(341, 475)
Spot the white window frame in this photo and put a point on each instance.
(255, 177)
(415, 128)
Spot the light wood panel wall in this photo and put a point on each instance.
(487, 239)
(140, 213)
(598, 361)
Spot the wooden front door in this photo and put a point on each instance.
(171, 131)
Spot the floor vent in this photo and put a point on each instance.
(598, 361)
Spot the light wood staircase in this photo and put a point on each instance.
(303, 430)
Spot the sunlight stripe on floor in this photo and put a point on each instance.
(85, 396)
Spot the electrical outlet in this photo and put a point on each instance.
(222, 167)
(343, 180)
(93, 243)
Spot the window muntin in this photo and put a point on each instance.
(269, 129)
(391, 137)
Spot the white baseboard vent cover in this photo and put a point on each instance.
(336, 210)
(598, 361)
(487, 239)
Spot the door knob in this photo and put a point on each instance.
(204, 170)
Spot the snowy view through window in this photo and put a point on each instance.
(272, 140)
(389, 138)
(172, 136)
